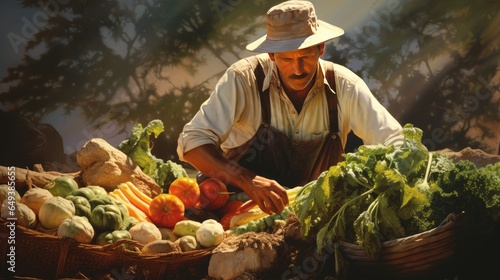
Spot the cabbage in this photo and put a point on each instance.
(137, 147)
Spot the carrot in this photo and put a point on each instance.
(134, 199)
(119, 193)
(139, 193)
(246, 206)
(132, 210)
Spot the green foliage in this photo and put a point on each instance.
(377, 194)
(138, 148)
(465, 188)
(364, 198)
(122, 62)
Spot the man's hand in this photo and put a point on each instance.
(268, 194)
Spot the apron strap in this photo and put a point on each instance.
(265, 102)
(331, 97)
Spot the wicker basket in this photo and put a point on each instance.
(47, 256)
(428, 254)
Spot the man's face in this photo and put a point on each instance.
(297, 68)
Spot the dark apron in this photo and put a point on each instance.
(272, 154)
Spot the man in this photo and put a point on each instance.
(282, 117)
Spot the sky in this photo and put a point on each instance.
(19, 24)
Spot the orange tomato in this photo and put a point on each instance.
(186, 189)
(166, 210)
(213, 194)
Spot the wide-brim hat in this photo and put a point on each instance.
(293, 25)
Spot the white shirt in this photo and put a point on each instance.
(232, 113)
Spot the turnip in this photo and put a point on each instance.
(210, 234)
(145, 232)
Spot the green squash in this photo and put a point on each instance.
(129, 222)
(106, 217)
(82, 205)
(98, 190)
(123, 208)
(101, 200)
(109, 237)
(84, 192)
(62, 186)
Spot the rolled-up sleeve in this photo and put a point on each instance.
(364, 114)
(218, 115)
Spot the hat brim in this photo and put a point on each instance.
(324, 33)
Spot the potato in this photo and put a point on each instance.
(188, 243)
(145, 232)
(167, 234)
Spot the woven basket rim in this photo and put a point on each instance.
(416, 256)
(451, 221)
(116, 246)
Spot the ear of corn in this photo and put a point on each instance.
(260, 224)
(251, 205)
(254, 219)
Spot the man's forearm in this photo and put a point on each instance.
(209, 161)
(268, 194)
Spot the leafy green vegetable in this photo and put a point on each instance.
(464, 188)
(138, 148)
(382, 193)
(364, 198)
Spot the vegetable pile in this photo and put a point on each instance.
(378, 193)
(137, 147)
(381, 193)
(184, 216)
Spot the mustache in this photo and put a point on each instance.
(298, 77)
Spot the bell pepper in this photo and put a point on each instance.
(82, 205)
(109, 237)
(84, 192)
(100, 200)
(106, 217)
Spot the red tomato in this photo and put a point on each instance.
(225, 221)
(231, 207)
(186, 189)
(213, 194)
(166, 210)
